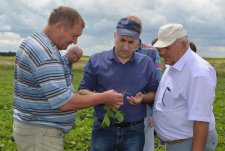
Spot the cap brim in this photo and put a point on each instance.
(163, 44)
(125, 32)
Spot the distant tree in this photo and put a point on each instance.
(10, 53)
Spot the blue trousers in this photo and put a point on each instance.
(187, 144)
(129, 138)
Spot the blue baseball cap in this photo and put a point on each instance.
(128, 27)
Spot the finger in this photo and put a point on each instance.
(116, 106)
(119, 95)
(119, 103)
(131, 102)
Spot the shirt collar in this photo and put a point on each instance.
(47, 40)
(181, 62)
(50, 42)
(140, 46)
(112, 56)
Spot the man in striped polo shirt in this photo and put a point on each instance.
(44, 102)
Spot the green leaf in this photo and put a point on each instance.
(112, 113)
(106, 121)
(105, 107)
(120, 116)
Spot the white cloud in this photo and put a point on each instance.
(4, 38)
(101, 44)
(5, 27)
(203, 20)
(215, 52)
(36, 4)
(9, 41)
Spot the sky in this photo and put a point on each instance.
(204, 21)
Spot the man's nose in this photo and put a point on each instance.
(126, 46)
(161, 51)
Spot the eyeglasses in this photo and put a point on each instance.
(167, 89)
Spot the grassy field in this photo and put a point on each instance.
(78, 139)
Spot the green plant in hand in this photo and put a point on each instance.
(112, 113)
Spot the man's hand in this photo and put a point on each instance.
(136, 100)
(113, 99)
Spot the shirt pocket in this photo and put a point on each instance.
(167, 99)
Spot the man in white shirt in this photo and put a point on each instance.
(183, 110)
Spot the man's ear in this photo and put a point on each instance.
(114, 35)
(59, 26)
(183, 44)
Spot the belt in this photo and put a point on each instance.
(125, 124)
(175, 141)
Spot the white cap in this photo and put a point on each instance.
(168, 34)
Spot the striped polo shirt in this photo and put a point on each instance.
(41, 84)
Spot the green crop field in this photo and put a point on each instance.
(78, 139)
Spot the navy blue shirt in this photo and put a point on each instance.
(104, 72)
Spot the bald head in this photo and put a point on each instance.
(74, 54)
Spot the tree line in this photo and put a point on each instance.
(10, 53)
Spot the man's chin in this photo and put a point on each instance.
(64, 47)
(126, 54)
(167, 62)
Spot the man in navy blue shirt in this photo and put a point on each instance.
(128, 72)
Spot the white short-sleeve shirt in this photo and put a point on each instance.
(185, 94)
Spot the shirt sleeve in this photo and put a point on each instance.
(153, 82)
(51, 79)
(201, 97)
(88, 81)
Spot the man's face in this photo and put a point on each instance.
(125, 46)
(73, 57)
(171, 53)
(76, 56)
(69, 36)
